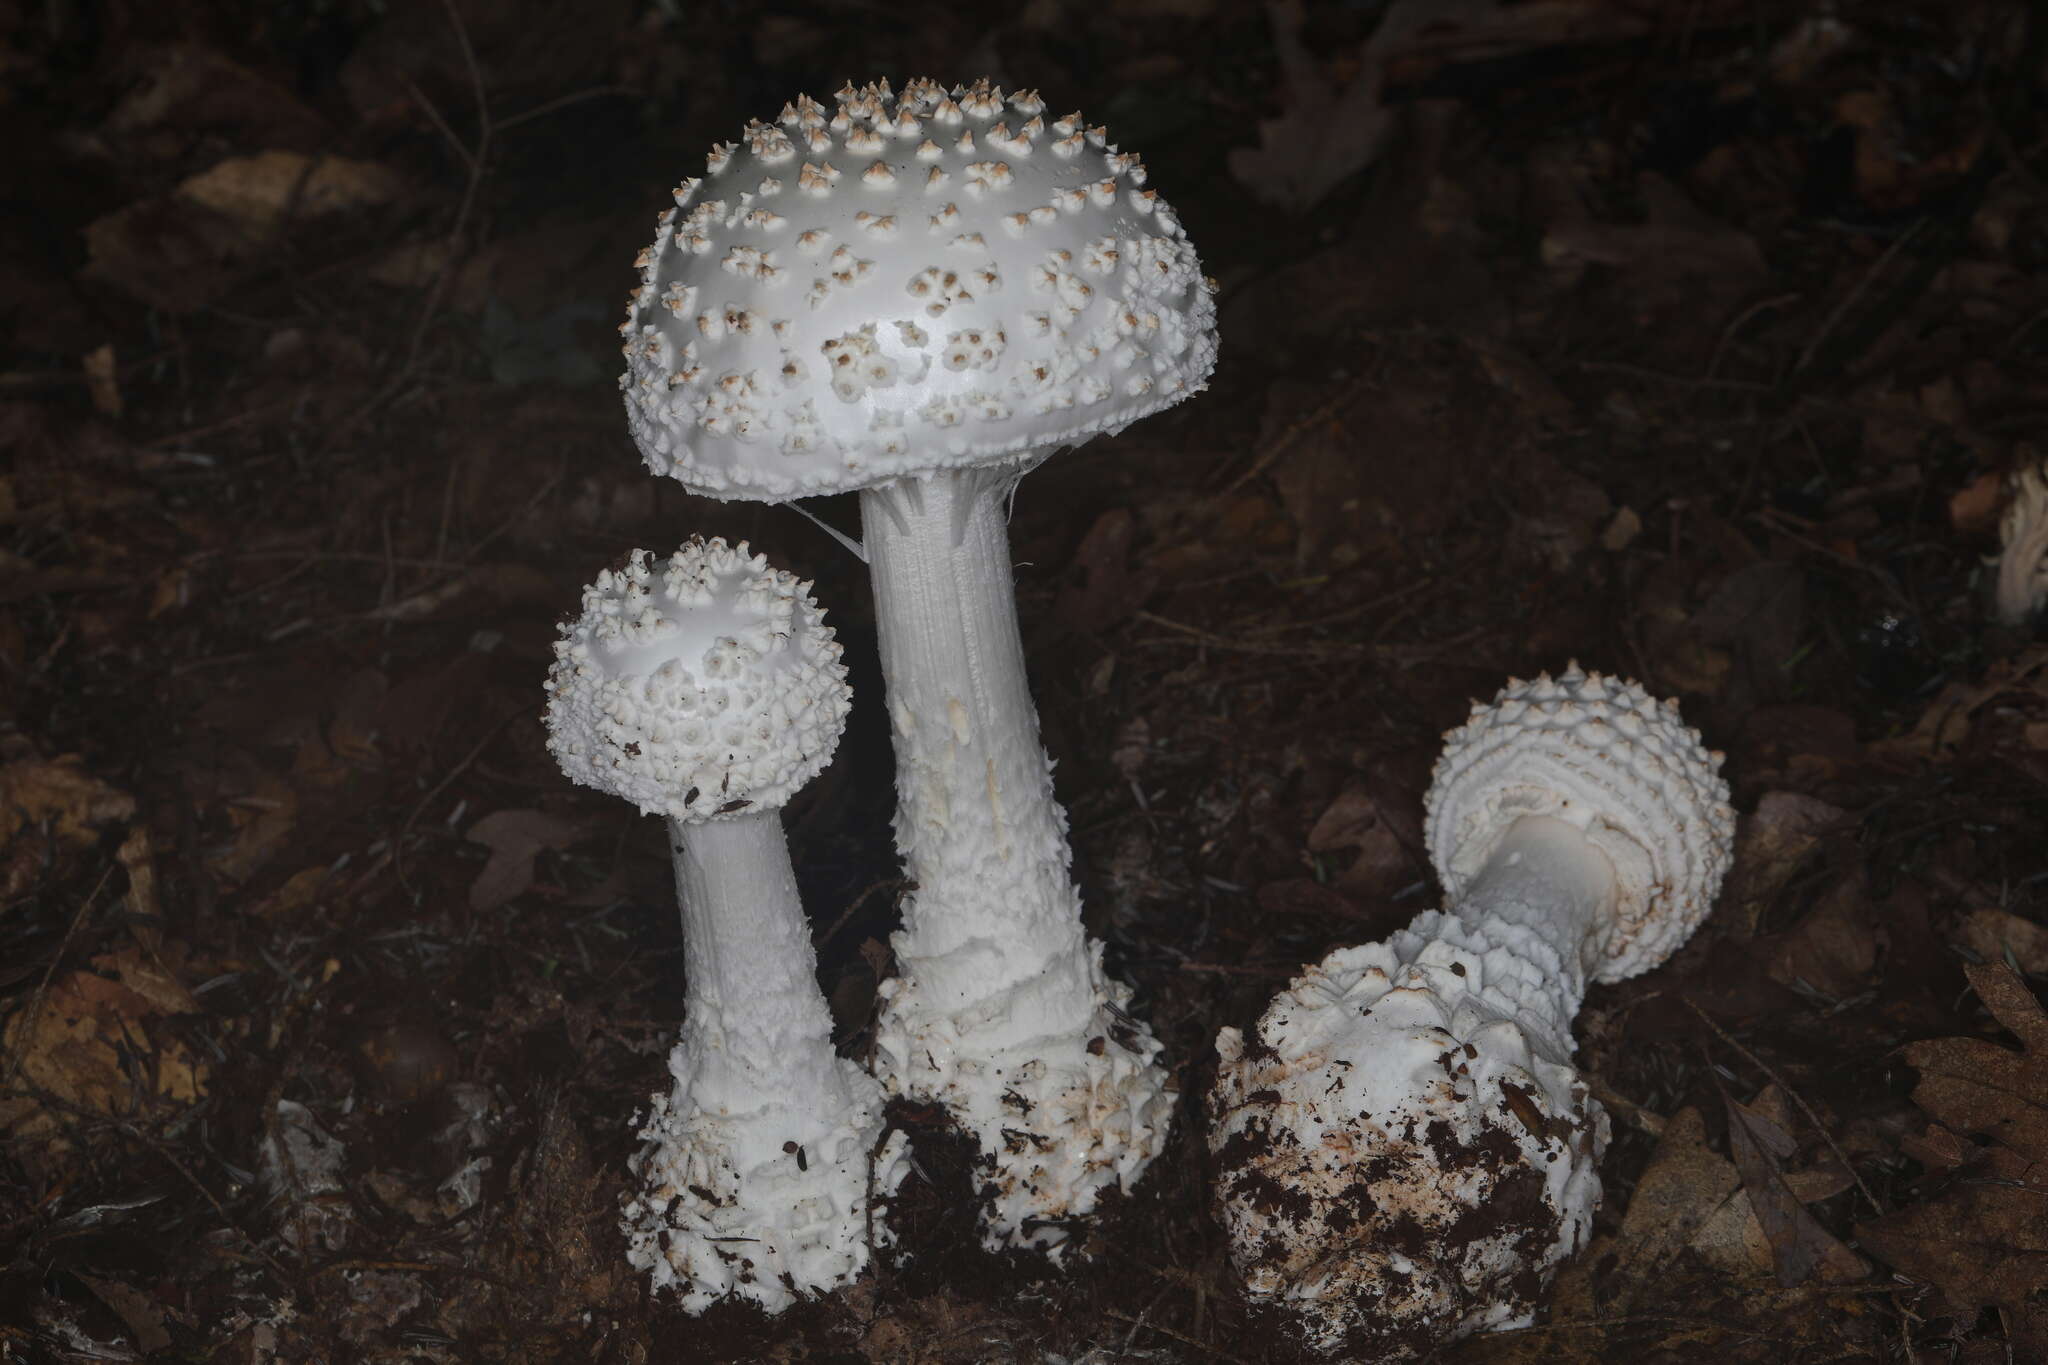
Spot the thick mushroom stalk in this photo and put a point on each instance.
(1405, 1152)
(920, 296)
(1000, 1008)
(707, 689)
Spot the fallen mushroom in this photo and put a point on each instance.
(921, 296)
(1404, 1150)
(706, 688)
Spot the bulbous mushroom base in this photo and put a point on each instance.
(1399, 1162)
(764, 1206)
(1059, 1116)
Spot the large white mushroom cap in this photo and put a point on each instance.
(699, 686)
(904, 284)
(1603, 755)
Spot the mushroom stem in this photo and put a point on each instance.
(1000, 1009)
(978, 825)
(753, 1018)
(1546, 895)
(757, 1168)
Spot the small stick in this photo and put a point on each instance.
(1796, 1098)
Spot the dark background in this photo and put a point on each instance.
(1697, 340)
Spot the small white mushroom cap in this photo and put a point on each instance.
(1602, 755)
(699, 686)
(906, 283)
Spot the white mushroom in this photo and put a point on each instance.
(706, 688)
(920, 296)
(1405, 1152)
(2022, 584)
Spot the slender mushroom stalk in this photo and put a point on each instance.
(920, 297)
(708, 689)
(1405, 1152)
(2022, 583)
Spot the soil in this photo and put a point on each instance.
(1698, 342)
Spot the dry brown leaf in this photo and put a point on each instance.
(1982, 1240)
(1946, 723)
(1323, 135)
(58, 794)
(1833, 948)
(257, 192)
(195, 88)
(87, 1041)
(1799, 1247)
(1974, 1085)
(264, 816)
(515, 838)
(1684, 1184)
(1322, 474)
(1101, 586)
(1973, 509)
(1353, 821)
(1978, 1243)
(150, 977)
(138, 1310)
(1622, 531)
(1769, 847)
(170, 254)
(300, 890)
(2001, 936)
(1557, 513)
(103, 381)
(353, 732)
(50, 801)
(138, 857)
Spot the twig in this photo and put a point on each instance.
(1743, 320)
(1795, 1097)
(479, 161)
(1215, 641)
(1236, 969)
(546, 107)
(1283, 440)
(1855, 295)
(398, 842)
(439, 1267)
(219, 1209)
(1645, 372)
(900, 884)
(1179, 1336)
(430, 307)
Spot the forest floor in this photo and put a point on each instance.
(1698, 341)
